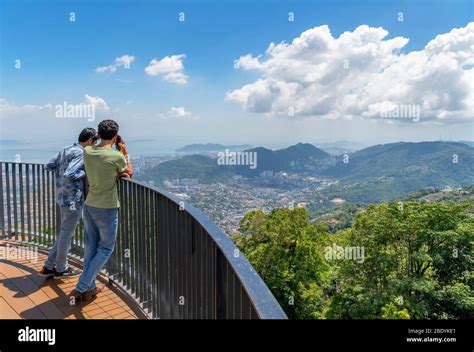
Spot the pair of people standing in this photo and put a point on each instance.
(95, 167)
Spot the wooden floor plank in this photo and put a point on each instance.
(23, 305)
(7, 312)
(26, 295)
(43, 302)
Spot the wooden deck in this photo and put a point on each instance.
(26, 295)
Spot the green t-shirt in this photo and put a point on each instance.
(102, 166)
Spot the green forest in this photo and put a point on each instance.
(402, 260)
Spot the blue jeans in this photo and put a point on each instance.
(100, 226)
(58, 255)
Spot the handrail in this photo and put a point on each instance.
(169, 256)
(265, 304)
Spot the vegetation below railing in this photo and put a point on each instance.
(396, 261)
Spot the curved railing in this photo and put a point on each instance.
(169, 256)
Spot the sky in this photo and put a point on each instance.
(269, 73)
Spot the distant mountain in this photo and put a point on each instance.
(301, 152)
(340, 147)
(211, 147)
(376, 174)
(384, 172)
(192, 166)
(299, 157)
(469, 143)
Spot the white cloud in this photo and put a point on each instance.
(178, 113)
(361, 72)
(8, 108)
(99, 103)
(124, 80)
(169, 68)
(122, 61)
(61, 119)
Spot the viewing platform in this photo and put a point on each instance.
(26, 295)
(170, 261)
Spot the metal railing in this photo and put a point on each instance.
(170, 257)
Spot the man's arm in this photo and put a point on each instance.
(128, 172)
(75, 168)
(86, 187)
(52, 165)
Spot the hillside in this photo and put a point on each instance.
(299, 157)
(211, 147)
(340, 147)
(193, 166)
(469, 143)
(339, 217)
(432, 195)
(376, 174)
(295, 158)
(384, 172)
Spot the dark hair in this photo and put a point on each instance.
(86, 134)
(108, 129)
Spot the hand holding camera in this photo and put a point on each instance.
(120, 144)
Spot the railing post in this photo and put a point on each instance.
(221, 286)
(15, 203)
(2, 208)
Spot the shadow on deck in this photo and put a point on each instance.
(26, 295)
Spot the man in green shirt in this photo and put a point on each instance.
(104, 166)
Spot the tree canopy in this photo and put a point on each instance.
(417, 262)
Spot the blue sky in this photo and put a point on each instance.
(59, 60)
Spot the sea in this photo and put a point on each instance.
(42, 151)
